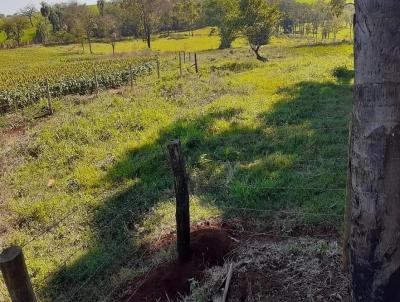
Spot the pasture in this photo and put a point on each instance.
(85, 189)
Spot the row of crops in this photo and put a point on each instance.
(19, 89)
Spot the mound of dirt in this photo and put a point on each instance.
(299, 269)
(171, 280)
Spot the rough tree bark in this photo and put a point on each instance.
(375, 167)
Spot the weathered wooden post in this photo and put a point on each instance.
(184, 57)
(180, 65)
(182, 200)
(49, 101)
(158, 68)
(195, 63)
(96, 82)
(189, 58)
(15, 274)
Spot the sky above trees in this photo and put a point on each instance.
(10, 7)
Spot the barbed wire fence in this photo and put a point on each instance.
(107, 290)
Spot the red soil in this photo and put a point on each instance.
(170, 280)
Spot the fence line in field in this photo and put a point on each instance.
(78, 288)
(58, 222)
(122, 242)
(121, 212)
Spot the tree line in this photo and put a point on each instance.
(110, 21)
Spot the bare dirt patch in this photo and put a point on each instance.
(172, 280)
(267, 267)
(293, 269)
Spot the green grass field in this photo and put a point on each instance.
(67, 68)
(265, 136)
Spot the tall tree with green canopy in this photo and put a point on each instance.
(100, 5)
(337, 7)
(186, 12)
(148, 11)
(29, 11)
(224, 14)
(14, 28)
(258, 21)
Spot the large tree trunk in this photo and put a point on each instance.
(227, 34)
(375, 167)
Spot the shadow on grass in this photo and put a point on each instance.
(292, 157)
(343, 74)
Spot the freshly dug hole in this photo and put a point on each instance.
(172, 280)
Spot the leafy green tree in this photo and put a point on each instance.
(53, 14)
(127, 20)
(45, 9)
(14, 28)
(348, 16)
(319, 14)
(55, 17)
(337, 7)
(224, 14)
(258, 21)
(41, 32)
(100, 5)
(148, 11)
(89, 23)
(82, 23)
(113, 40)
(29, 11)
(186, 13)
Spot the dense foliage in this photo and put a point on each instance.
(258, 21)
(76, 23)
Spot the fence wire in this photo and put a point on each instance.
(119, 213)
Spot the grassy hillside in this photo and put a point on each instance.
(21, 77)
(91, 185)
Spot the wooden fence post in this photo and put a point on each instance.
(184, 57)
(182, 200)
(189, 58)
(49, 101)
(96, 82)
(195, 63)
(15, 274)
(158, 68)
(180, 64)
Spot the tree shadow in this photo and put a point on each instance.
(291, 157)
(343, 74)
